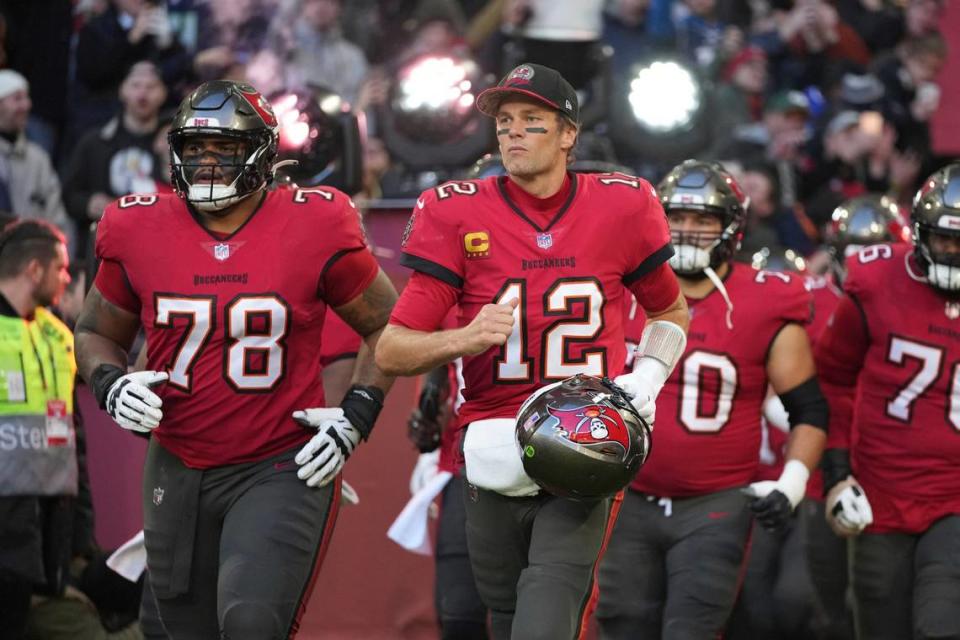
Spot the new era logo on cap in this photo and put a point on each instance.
(534, 81)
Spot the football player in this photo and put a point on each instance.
(889, 364)
(778, 598)
(231, 282)
(538, 262)
(672, 567)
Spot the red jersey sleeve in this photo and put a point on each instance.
(657, 290)
(431, 241)
(424, 304)
(346, 275)
(647, 234)
(351, 267)
(111, 279)
(839, 354)
(796, 303)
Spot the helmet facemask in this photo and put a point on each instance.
(695, 251)
(210, 174)
(942, 267)
(703, 188)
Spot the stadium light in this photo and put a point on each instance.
(430, 121)
(665, 97)
(658, 117)
(318, 131)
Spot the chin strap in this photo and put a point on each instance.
(718, 283)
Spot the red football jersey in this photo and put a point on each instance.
(905, 446)
(707, 431)
(569, 276)
(237, 321)
(826, 296)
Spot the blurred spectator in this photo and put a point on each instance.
(625, 29)
(842, 169)
(314, 50)
(267, 73)
(911, 92)
(37, 44)
(561, 34)
(118, 158)
(376, 163)
(230, 33)
(127, 32)
(878, 23)
(769, 224)
(42, 465)
(29, 187)
(704, 38)
(738, 99)
(922, 18)
(806, 40)
(437, 26)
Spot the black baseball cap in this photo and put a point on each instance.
(538, 82)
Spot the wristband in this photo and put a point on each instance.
(361, 405)
(102, 379)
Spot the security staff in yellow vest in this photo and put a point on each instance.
(38, 457)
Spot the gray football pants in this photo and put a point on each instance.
(534, 560)
(908, 585)
(673, 568)
(232, 551)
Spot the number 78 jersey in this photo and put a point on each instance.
(568, 273)
(236, 321)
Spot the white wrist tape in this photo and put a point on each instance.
(793, 481)
(664, 342)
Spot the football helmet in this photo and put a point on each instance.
(708, 188)
(862, 221)
(936, 211)
(231, 110)
(581, 438)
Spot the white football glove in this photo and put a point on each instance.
(643, 385)
(132, 404)
(426, 469)
(323, 457)
(848, 511)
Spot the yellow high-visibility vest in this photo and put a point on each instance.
(38, 453)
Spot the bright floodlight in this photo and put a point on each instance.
(436, 85)
(664, 97)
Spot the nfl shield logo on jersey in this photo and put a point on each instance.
(544, 240)
(221, 251)
(157, 496)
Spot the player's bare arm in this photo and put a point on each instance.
(367, 314)
(407, 352)
(104, 333)
(341, 429)
(677, 313)
(790, 366)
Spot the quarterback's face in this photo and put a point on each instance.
(532, 137)
(215, 159)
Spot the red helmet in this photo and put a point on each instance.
(581, 438)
